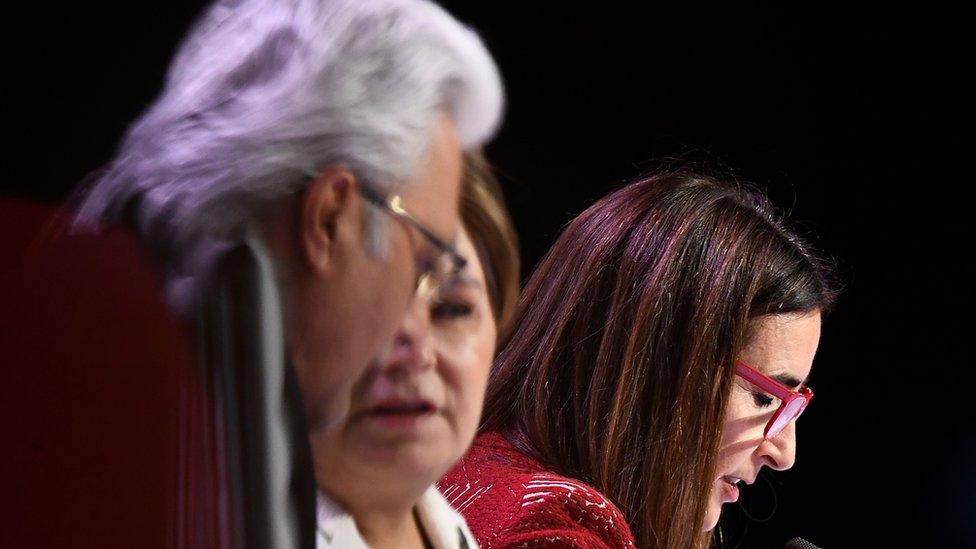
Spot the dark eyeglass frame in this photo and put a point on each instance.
(428, 279)
(791, 402)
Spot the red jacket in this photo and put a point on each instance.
(511, 500)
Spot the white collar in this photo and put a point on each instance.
(443, 526)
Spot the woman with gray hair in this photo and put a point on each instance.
(263, 94)
(327, 134)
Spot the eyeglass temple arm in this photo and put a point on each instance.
(392, 205)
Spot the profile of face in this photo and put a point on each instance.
(782, 347)
(410, 416)
(350, 301)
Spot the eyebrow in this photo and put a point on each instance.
(787, 380)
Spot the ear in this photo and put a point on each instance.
(329, 202)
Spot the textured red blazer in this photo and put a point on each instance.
(511, 500)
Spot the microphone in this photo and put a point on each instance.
(800, 543)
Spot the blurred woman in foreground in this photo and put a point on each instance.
(656, 362)
(417, 412)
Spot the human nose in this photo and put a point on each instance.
(412, 345)
(779, 452)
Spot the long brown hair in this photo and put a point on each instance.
(491, 230)
(620, 361)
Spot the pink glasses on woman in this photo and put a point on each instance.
(791, 402)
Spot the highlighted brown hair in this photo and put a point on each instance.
(493, 234)
(620, 360)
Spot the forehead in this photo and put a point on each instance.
(783, 345)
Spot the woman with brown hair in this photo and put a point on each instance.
(656, 361)
(490, 229)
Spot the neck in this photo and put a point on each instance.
(390, 529)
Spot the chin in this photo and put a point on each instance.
(419, 459)
(712, 513)
(711, 519)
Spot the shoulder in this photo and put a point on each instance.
(509, 499)
(486, 485)
(556, 511)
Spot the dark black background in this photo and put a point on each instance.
(854, 121)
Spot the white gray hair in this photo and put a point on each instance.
(264, 93)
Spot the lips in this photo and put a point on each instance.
(731, 485)
(401, 414)
(402, 407)
(732, 480)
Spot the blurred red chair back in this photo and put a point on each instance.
(108, 432)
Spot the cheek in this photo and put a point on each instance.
(741, 433)
(373, 283)
(330, 409)
(390, 294)
(467, 376)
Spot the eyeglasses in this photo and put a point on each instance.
(792, 402)
(448, 261)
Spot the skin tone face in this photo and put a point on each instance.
(343, 303)
(412, 415)
(782, 347)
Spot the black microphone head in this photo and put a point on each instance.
(800, 543)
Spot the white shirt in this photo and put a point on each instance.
(443, 526)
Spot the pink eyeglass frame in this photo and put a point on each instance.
(795, 401)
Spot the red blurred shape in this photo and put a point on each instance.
(108, 437)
